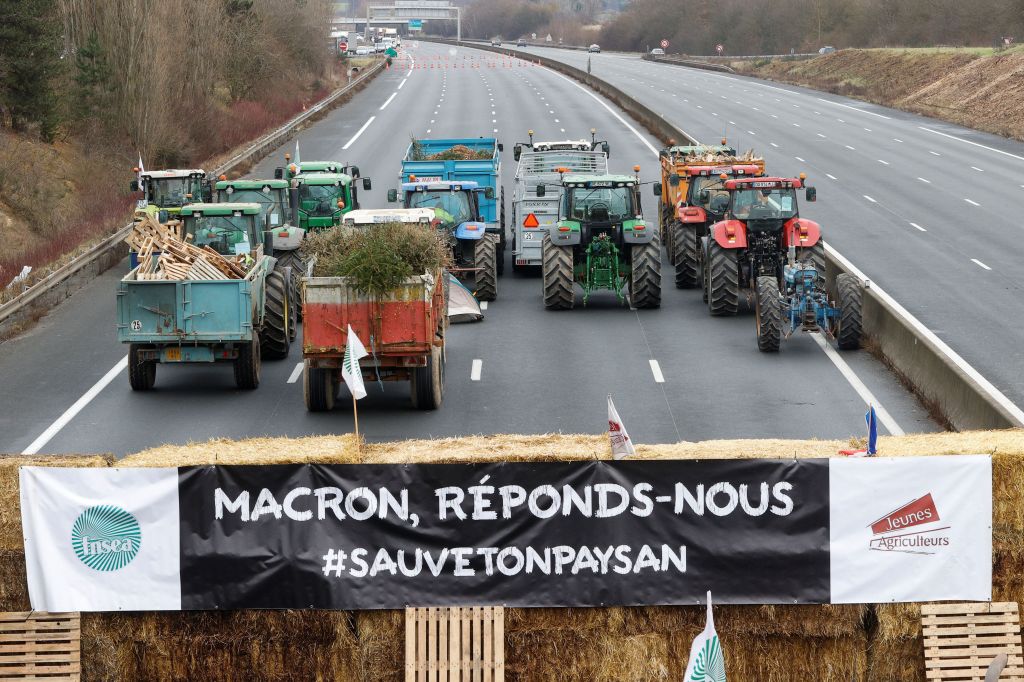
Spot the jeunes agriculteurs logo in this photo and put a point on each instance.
(913, 528)
(106, 538)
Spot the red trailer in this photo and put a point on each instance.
(404, 333)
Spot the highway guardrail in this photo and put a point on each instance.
(68, 278)
(944, 382)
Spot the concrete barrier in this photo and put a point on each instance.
(945, 383)
(692, 63)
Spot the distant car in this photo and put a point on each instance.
(496, 42)
(594, 48)
(828, 49)
(364, 50)
(657, 51)
(521, 42)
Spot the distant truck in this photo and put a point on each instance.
(404, 332)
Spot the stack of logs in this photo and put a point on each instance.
(178, 259)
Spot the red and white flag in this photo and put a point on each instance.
(622, 446)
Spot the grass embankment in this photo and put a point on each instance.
(979, 88)
(876, 643)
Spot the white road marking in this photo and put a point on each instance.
(557, 121)
(483, 305)
(850, 148)
(732, 123)
(870, 199)
(868, 129)
(402, 83)
(474, 374)
(927, 182)
(863, 391)
(831, 176)
(820, 135)
(918, 227)
(77, 407)
(774, 145)
(751, 132)
(980, 170)
(796, 125)
(847, 106)
(799, 159)
(296, 373)
(972, 203)
(359, 132)
(896, 139)
(714, 113)
(883, 162)
(981, 264)
(656, 371)
(934, 153)
(841, 120)
(562, 129)
(960, 139)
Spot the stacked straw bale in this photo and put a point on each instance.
(879, 643)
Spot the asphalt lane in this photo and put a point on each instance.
(926, 209)
(522, 370)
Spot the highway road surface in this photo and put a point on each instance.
(675, 372)
(930, 211)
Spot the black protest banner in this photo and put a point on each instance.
(522, 534)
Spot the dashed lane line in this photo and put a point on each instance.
(918, 227)
(656, 371)
(359, 132)
(296, 373)
(978, 262)
(474, 373)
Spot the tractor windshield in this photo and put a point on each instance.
(227, 234)
(601, 204)
(271, 203)
(452, 208)
(171, 192)
(764, 204)
(320, 201)
(717, 198)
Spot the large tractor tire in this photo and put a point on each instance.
(427, 384)
(849, 297)
(556, 266)
(318, 388)
(816, 255)
(723, 280)
(296, 260)
(141, 373)
(278, 316)
(502, 241)
(485, 259)
(645, 276)
(768, 314)
(685, 259)
(668, 229)
(248, 365)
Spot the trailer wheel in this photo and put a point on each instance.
(296, 260)
(850, 294)
(816, 255)
(318, 388)
(277, 316)
(427, 383)
(556, 266)
(684, 240)
(645, 276)
(768, 314)
(723, 280)
(141, 373)
(248, 365)
(485, 259)
(668, 235)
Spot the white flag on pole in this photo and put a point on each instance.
(297, 160)
(622, 446)
(707, 664)
(350, 371)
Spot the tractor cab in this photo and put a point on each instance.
(229, 228)
(456, 204)
(291, 169)
(765, 199)
(169, 190)
(706, 196)
(599, 206)
(322, 198)
(582, 145)
(271, 195)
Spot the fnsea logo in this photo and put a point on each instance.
(106, 538)
(911, 528)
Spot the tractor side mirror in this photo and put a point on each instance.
(541, 191)
(354, 171)
(163, 215)
(133, 186)
(392, 195)
(488, 192)
(673, 180)
(293, 201)
(657, 189)
(705, 195)
(268, 241)
(367, 184)
(812, 194)
(501, 147)
(607, 149)
(279, 173)
(517, 151)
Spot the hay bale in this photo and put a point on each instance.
(893, 660)
(381, 644)
(342, 449)
(13, 583)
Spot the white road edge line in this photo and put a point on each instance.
(360, 132)
(656, 371)
(474, 374)
(978, 262)
(960, 139)
(77, 407)
(863, 391)
(296, 373)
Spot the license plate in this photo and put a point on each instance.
(173, 355)
(531, 236)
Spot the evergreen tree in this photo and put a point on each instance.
(92, 80)
(30, 61)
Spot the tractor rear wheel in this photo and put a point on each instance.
(723, 280)
(685, 259)
(502, 240)
(296, 260)
(556, 263)
(849, 295)
(485, 259)
(318, 388)
(768, 313)
(141, 373)
(427, 383)
(248, 364)
(278, 317)
(645, 276)
(816, 255)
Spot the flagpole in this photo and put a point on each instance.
(355, 414)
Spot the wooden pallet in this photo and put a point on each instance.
(40, 646)
(458, 644)
(960, 640)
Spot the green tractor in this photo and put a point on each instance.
(323, 198)
(168, 190)
(600, 241)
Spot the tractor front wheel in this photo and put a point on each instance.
(816, 255)
(141, 373)
(278, 317)
(849, 294)
(768, 314)
(485, 259)
(318, 388)
(557, 275)
(645, 276)
(297, 261)
(248, 364)
(723, 280)
(684, 238)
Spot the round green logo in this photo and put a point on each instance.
(106, 538)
